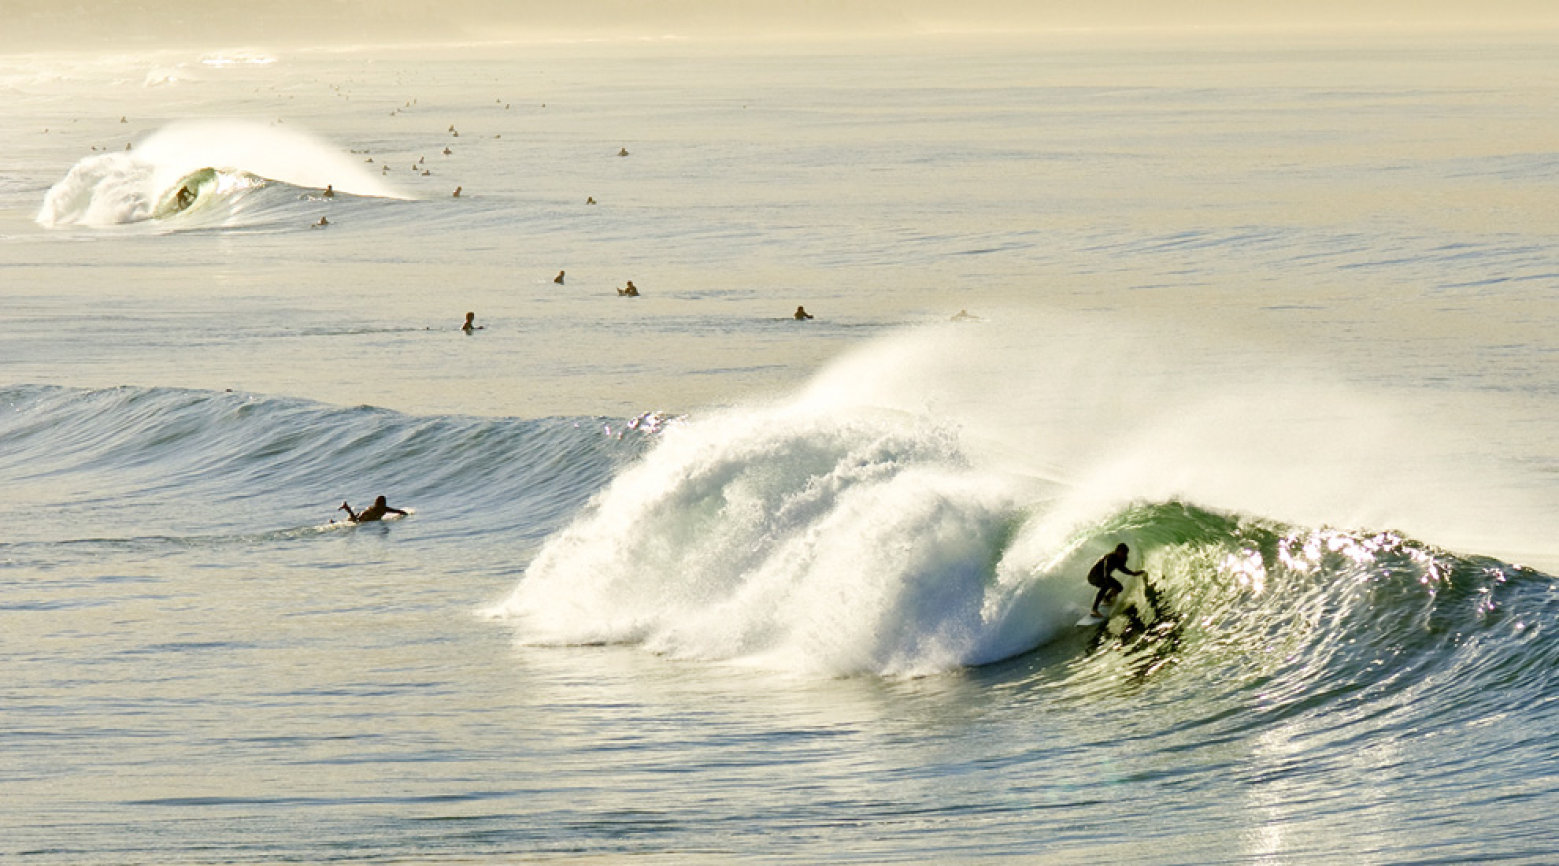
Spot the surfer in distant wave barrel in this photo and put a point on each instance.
(376, 511)
(1099, 575)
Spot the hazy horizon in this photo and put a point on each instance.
(45, 25)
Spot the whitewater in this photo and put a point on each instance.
(688, 579)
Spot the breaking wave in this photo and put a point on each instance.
(205, 174)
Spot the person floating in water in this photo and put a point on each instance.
(623, 152)
(559, 278)
(457, 192)
(322, 222)
(376, 511)
(330, 191)
(589, 199)
(629, 291)
(1099, 575)
(470, 324)
(965, 316)
(801, 313)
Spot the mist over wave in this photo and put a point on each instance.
(835, 542)
(223, 165)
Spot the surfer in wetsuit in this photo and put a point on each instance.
(801, 313)
(184, 198)
(1099, 575)
(376, 511)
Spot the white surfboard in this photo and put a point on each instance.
(1106, 609)
(1089, 619)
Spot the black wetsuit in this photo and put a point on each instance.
(1099, 575)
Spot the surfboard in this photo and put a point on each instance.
(1107, 609)
(1104, 617)
(343, 523)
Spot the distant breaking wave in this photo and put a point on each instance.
(230, 172)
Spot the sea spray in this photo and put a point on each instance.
(837, 543)
(1118, 411)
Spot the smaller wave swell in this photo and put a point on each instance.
(109, 461)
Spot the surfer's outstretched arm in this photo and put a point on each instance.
(396, 511)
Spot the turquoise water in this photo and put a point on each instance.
(688, 579)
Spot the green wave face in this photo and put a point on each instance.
(187, 193)
(1249, 603)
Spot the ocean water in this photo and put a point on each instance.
(689, 580)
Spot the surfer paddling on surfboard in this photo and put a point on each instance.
(376, 511)
(1099, 576)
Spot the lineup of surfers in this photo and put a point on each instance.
(631, 291)
(185, 197)
(628, 290)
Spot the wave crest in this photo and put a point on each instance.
(842, 542)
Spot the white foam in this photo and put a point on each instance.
(836, 542)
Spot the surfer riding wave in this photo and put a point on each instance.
(1099, 576)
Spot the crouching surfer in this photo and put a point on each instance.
(1099, 576)
(376, 511)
